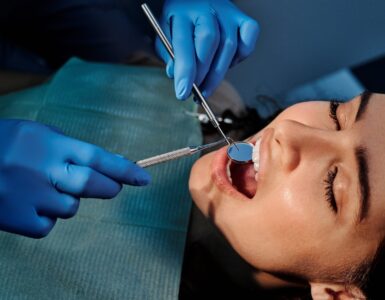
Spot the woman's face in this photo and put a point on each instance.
(316, 207)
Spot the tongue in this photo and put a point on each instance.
(243, 177)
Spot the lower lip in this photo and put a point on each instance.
(219, 175)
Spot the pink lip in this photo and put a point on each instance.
(219, 171)
(219, 174)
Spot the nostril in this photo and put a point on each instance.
(290, 158)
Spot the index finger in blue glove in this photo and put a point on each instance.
(223, 58)
(206, 38)
(111, 165)
(248, 35)
(85, 182)
(184, 51)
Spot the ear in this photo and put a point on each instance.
(326, 291)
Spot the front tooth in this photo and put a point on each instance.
(256, 150)
(256, 155)
(256, 167)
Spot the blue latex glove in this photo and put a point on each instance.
(208, 36)
(43, 173)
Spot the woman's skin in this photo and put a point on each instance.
(290, 226)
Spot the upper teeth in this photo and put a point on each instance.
(256, 154)
(228, 171)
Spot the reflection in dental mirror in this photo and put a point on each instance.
(240, 152)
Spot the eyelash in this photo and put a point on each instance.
(333, 113)
(329, 182)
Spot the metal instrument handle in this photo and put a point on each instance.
(157, 159)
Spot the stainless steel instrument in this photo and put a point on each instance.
(161, 158)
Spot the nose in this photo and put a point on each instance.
(299, 142)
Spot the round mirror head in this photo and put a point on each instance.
(240, 152)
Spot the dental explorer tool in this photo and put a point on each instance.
(197, 93)
(157, 159)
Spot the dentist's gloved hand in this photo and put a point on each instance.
(43, 173)
(208, 36)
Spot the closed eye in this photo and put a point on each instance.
(329, 189)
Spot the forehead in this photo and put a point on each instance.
(371, 129)
(375, 113)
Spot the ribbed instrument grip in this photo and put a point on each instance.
(163, 157)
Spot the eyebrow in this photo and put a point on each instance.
(363, 179)
(365, 97)
(362, 162)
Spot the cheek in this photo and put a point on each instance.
(274, 232)
(291, 216)
(288, 208)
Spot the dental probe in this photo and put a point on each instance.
(197, 93)
(157, 159)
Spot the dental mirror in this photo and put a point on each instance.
(240, 152)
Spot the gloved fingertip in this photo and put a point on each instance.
(170, 69)
(182, 89)
(136, 175)
(143, 178)
(206, 94)
(169, 74)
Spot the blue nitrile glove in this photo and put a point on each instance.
(43, 173)
(208, 36)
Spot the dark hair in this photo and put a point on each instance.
(372, 279)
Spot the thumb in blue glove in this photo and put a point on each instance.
(43, 173)
(208, 37)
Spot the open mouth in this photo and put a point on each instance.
(244, 177)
